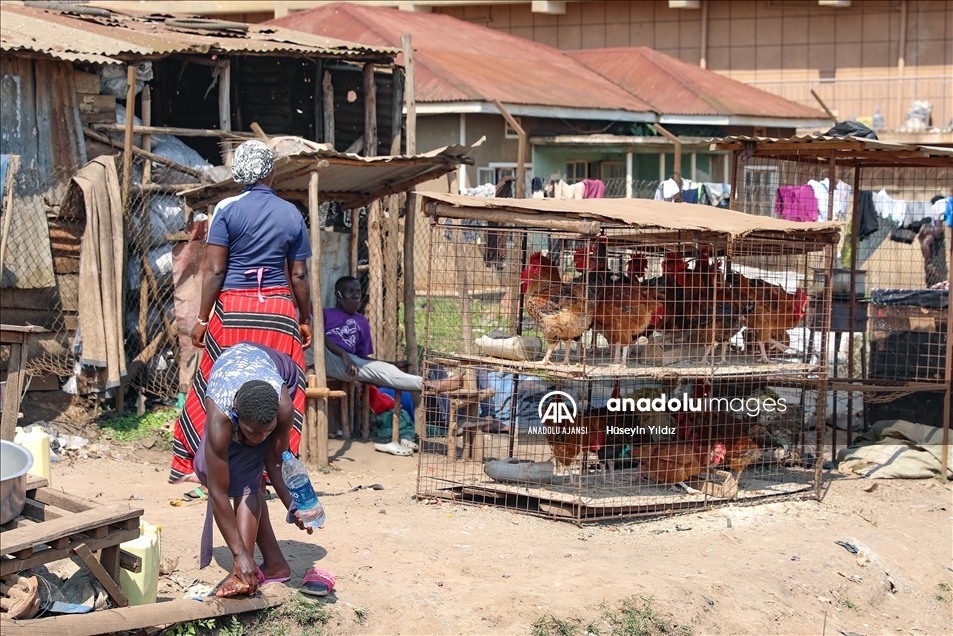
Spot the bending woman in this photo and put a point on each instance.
(257, 242)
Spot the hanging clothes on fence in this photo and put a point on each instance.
(537, 187)
(494, 253)
(867, 213)
(593, 188)
(796, 203)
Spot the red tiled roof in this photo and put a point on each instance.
(674, 87)
(459, 61)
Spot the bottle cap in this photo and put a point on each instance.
(285, 456)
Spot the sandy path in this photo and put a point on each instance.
(424, 568)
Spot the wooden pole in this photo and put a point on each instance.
(410, 295)
(355, 234)
(126, 187)
(852, 314)
(178, 167)
(225, 105)
(375, 259)
(318, 441)
(677, 176)
(466, 320)
(370, 112)
(397, 113)
(146, 137)
(9, 185)
(410, 94)
(948, 373)
(328, 89)
(172, 130)
(391, 262)
(520, 152)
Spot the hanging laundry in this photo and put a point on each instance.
(796, 203)
(690, 196)
(666, 190)
(869, 223)
(821, 193)
(594, 188)
(537, 188)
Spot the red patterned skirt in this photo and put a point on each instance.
(240, 315)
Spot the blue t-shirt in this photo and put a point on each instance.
(260, 230)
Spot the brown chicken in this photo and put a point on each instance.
(561, 310)
(775, 311)
(587, 434)
(623, 314)
(675, 462)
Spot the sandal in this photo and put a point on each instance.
(394, 448)
(317, 582)
(196, 493)
(409, 443)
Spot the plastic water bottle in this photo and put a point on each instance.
(296, 478)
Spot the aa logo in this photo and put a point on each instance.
(553, 408)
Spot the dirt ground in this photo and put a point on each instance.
(416, 567)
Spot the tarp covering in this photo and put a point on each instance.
(896, 449)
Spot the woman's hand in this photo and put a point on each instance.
(244, 577)
(198, 335)
(305, 335)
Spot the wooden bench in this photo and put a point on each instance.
(55, 525)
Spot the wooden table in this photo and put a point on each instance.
(55, 525)
(18, 337)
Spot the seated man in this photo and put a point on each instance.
(249, 402)
(348, 347)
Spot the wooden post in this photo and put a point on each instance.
(466, 320)
(319, 434)
(410, 94)
(375, 258)
(413, 203)
(126, 186)
(370, 112)
(410, 293)
(520, 152)
(948, 377)
(397, 112)
(328, 89)
(355, 234)
(318, 102)
(677, 176)
(854, 241)
(391, 262)
(146, 137)
(225, 105)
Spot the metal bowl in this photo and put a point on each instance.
(15, 462)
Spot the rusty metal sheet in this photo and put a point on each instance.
(99, 39)
(460, 61)
(674, 87)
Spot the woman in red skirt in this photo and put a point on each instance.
(257, 243)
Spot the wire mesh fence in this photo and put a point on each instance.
(890, 295)
(620, 375)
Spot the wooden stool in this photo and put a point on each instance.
(469, 424)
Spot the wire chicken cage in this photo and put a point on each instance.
(621, 358)
(890, 311)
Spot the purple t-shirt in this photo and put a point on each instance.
(351, 332)
(260, 229)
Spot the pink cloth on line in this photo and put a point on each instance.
(595, 188)
(796, 203)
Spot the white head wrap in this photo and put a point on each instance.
(252, 162)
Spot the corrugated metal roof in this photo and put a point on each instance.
(823, 143)
(674, 87)
(351, 179)
(460, 61)
(120, 37)
(654, 218)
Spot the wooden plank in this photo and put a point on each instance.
(107, 581)
(21, 538)
(97, 104)
(143, 616)
(63, 500)
(41, 512)
(35, 481)
(176, 131)
(130, 562)
(97, 117)
(65, 265)
(9, 566)
(86, 83)
(109, 558)
(11, 397)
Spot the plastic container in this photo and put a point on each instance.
(142, 587)
(37, 441)
(296, 478)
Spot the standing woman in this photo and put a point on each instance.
(257, 243)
